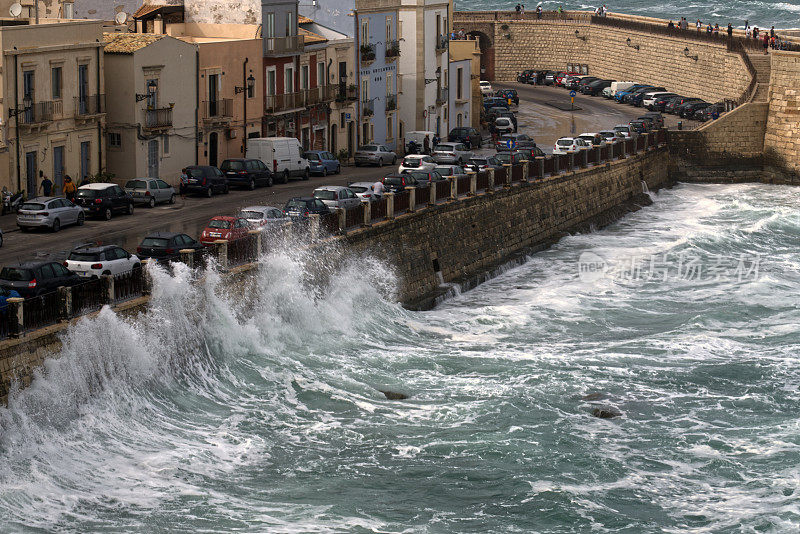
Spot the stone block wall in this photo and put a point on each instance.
(782, 139)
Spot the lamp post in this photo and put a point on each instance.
(247, 88)
(151, 88)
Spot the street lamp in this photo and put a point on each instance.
(250, 85)
(151, 88)
(27, 104)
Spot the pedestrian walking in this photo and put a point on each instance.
(377, 189)
(184, 183)
(539, 11)
(46, 186)
(699, 25)
(426, 145)
(69, 188)
(766, 43)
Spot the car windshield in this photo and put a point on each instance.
(232, 166)
(296, 205)
(564, 142)
(155, 242)
(358, 188)
(411, 162)
(32, 206)
(504, 158)
(218, 223)
(324, 194)
(14, 274)
(369, 148)
(621, 129)
(393, 180)
(311, 156)
(87, 193)
(136, 184)
(84, 256)
(444, 148)
(251, 215)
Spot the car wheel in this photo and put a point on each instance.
(252, 185)
(81, 219)
(130, 208)
(324, 171)
(226, 190)
(209, 192)
(306, 174)
(394, 160)
(380, 162)
(172, 198)
(107, 214)
(269, 181)
(56, 226)
(338, 169)
(151, 203)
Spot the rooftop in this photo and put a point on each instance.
(128, 43)
(311, 37)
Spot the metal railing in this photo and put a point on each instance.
(158, 118)
(40, 112)
(276, 46)
(275, 103)
(392, 49)
(90, 105)
(345, 93)
(368, 108)
(218, 109)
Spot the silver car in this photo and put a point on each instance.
(374, 155)
(451, 153)
(49, 212)
(337, 196)
(150, 191)
(451, 170)
(365, 191)
(261, 216)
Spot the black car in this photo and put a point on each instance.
(657, 118)
(510, 158)
(596, 87)
(711, 112)
(166, 246)
(103, 200)
(494, 102)
(508, 94)
(464, 133)
(34, 278)
(688, 109)
(424, 178)
(246, 173)
(531, 152)
(673, 104)
(205, 180)
(527, 76)
(398, 182)
(660, 102)
(518, 140)
(583, 82)
(631, 97)
(299, 208)
(480, 163)
(550, 77)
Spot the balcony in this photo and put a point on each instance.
(40, 113)
(345, 93)
(285, 102)
(220, 110)
(441, 44)
(392, 49)
(283, 46)
(368, 108)
(319, 95)
(391, 103)
(367, 53)
(88, 107)
(442, 95)
(158, 118)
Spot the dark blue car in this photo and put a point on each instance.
(322, 162)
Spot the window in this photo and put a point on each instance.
(269, 25)
(459, 83)
(288, 80)
(57, 80)
(321, 74)
(165, 144)
(291, 27)
(458, 120)
(270, 81)
(389, 127)
(365, 91)
(364, 32)
(69, 10)
(389, 85)
(114, 140)
(388, 29)
(304, 77)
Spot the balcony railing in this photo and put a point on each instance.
(391, 102)
(345, 93)
(392, 49)
(368, 108)
(277, 46)
(158, 118)
(90, 105)
(219, 109)
(318, 95)
(441, 43)
(442, 95)
(40, 112)
(367, 52)
(300, 99)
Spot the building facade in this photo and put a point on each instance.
(53, 101)
(469, 51)
(153, 117)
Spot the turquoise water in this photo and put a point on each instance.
(760, 13)
(260, 413)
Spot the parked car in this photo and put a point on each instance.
(166, 246)
(322, 162)
(593, 139)
(399, 181)
(417, 162)
(561, 77)
(573, 81)
(657, 118)
(672, 105)
(596, 87)
(424, 178)
(583, 82)
(224, 227)
(550, 78)
(531, 152)
(94, 261)
(150, 191)
(464, 133)
(337, 196)
(34, 278)
(299, 208)
(611, 136)
(261, 216)
(620, 95)
(494, 115)
(711, 112)
(365, 191)
(451, 170)
(510, 158)
(637, 97)
(509, 94)
(494, 102)
(625, 131)
(48, 212)
(247, 173)
(650, 98)
(619, 86)
(454, 153)
(503, 125)
(205, 180)
(688, 109)
(486, 87)
(103, 200)
(516, 140)
(481, 163)
(527, 76)
(374, 155)
(661, 102)
(283, 155)
(568, 145)
(648, 122)
(638, 126)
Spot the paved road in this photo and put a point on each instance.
(535, 116)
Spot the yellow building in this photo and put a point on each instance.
(468, 49)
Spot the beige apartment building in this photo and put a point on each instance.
(152, 117)
(52, 102)
(465, 54)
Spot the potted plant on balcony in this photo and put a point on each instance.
(367, 52)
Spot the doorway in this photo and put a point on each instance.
(86, 160)
(152, 158)
(30, 172)
(333, 145)
(58, 168)
(351, 139)
(213, 143)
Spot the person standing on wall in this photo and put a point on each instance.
(539, 11)
(730, 31)
(518, 10)
(699, 25)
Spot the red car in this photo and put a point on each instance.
(224, 227)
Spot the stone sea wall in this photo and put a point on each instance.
(782, 136)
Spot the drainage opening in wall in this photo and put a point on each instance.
(436, 267)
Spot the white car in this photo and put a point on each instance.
(92, 261)
(417, 162)
(261, 216)
(451, 153)
(594, 139)
(611, 136)
(504, 125)
(486, 87)
(570, 145)
(365, 191)
(650, 98)
(337, 196)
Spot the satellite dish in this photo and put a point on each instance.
(16, 10)
(121, 17)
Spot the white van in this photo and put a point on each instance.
(282, 155)
(620, 86)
